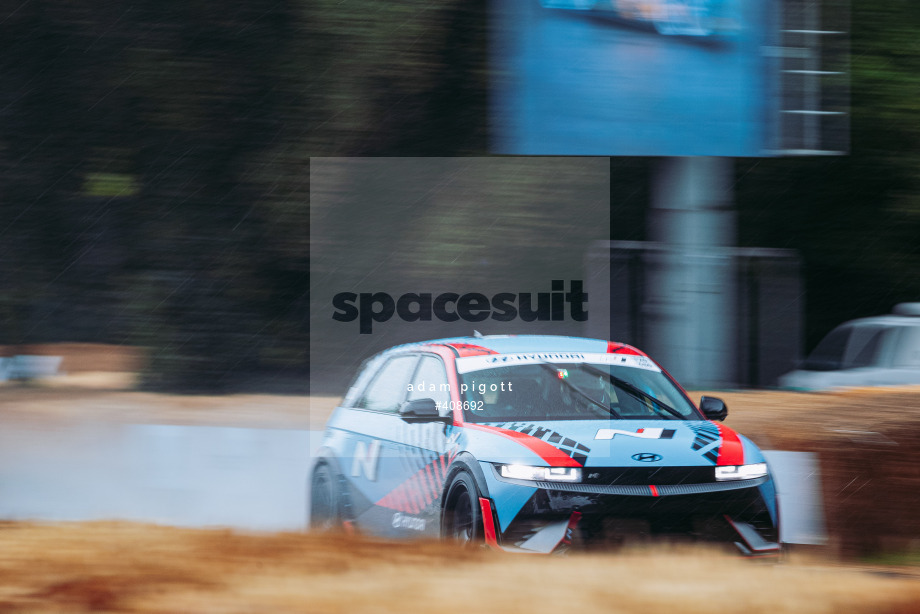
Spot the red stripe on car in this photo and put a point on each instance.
(423, 483)
(415, 489)
(570, 529)
(731, 452)
(432, 482)
(468, 349)
(621, 348)
(416, 493)
(440, 469)
(551, 454)
(488, 523)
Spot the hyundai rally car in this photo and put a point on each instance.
(537, 444)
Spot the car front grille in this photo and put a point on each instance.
(645, 490)
(622, 476)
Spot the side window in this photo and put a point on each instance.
(864, 346)
(430, 381)
(365, 373)
(828, 356)
(388, 389)
(907, 353)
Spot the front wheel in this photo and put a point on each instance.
(462, 520)
(324, 512)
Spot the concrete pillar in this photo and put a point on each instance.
(690, 313)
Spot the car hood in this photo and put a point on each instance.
(611, 443)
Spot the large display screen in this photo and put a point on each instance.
(635, 77)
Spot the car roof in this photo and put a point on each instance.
(885, 320)
(902, 314)
(511, 344)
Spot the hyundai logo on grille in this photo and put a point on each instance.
(646, 457)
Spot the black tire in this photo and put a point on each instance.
(324, 505)
(462, 517)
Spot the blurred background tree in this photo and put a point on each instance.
(154, 160)
(154, 166)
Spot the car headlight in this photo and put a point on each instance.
(741, 472)
(550, 474)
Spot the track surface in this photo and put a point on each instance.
(242, 460)
(248, 478)
(179, 475)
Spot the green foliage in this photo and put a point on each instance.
(855, 219)
(109, 184)
(154, 158)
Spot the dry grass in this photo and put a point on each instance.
(783, 420)
(868, 444)
(93, 380)
(85, 357)
(141, 568)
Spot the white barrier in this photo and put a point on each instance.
(798, 486)
(26, 367)
(238, 477)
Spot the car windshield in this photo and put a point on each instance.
(848, 347)
(828, 355)
(576, 391)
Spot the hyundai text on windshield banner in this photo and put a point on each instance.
(494, 361)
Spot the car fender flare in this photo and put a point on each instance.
(325, 455)
(466, 462)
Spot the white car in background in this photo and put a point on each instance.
(877, 351)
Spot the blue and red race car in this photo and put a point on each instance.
(536, 444)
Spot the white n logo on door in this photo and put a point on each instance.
(366, 459)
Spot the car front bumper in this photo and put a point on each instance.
(741, 512)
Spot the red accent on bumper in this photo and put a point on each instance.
(731, 452)
(570, 529)
(488, 523)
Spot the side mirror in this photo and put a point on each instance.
(713, 408)
(420, 410)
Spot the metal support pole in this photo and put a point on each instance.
(690, 313)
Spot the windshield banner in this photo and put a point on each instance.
(494, 361)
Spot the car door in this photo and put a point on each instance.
(415, 503)
(372, 457)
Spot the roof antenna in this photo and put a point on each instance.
(477, 334)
